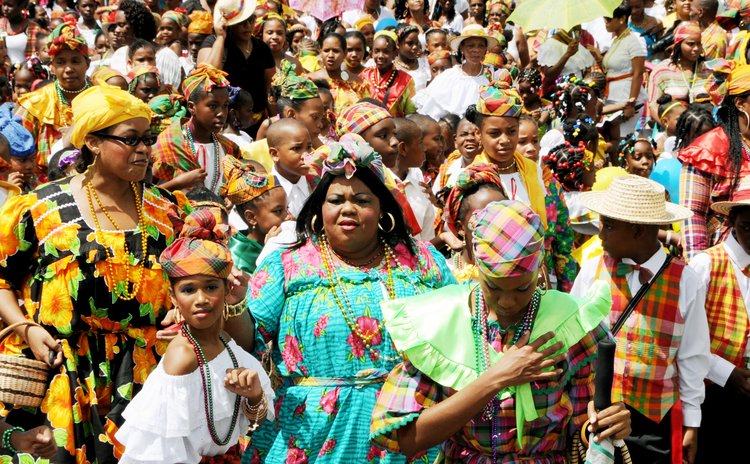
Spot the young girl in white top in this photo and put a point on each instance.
(206, 391)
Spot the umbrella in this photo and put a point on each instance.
(326, 9)
(533, 15)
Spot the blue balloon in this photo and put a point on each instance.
(667, 173)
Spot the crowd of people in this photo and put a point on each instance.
(231, 232)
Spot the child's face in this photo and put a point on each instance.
(741, 228)
(41, 50)
(433, 144)
(147, 88)
(194, 44)
(641, 161)
(296, 38)
(382, 139)
(243, 116)
(499, 138)
(289, 155)
(383, 53)
(437, 42)
(200, 300)
(101, 45)
(270, 211)
(24, 166)
(211, 111)
(414, 155)
(670, 120)
(23, 80)
(618, 238)
(312, 114)
(168, 32)
(467, 140)
(142, 57)
(448, 138)
(439, 67)
(369, 32)
(528, 140)
(355, 52)
(86, 8)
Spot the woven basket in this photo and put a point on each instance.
(23, 381)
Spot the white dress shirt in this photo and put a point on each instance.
(420, 203)
(296, 194)
(693, 354)
(701, 263)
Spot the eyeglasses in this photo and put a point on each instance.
(133, 141)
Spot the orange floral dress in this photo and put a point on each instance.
(56, 263)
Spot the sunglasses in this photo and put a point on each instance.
(132, 141)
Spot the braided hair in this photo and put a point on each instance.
(532, 76)
(567, 163)
(572, 94)
(627, 147)
(690, 125)
(729, 119)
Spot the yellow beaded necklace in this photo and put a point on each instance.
(92, 195)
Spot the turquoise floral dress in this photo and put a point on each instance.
(330, 378)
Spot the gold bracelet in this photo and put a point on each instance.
(234, 310)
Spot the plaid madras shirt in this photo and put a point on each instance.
(698, 190)
(561, 404)
(645, 367)
(725, 309)
(715, 43)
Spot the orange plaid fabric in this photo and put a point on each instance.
(646, 357)
(725, 310)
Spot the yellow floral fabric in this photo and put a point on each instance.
(56, 263)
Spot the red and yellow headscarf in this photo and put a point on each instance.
(200, 248)
(66, 36)
(178, 16)
(470, 178)
(242, 183)
(686, 29)
(201, 22)
(206, 76)
(438, 55)
(729, 78)
(359, 117)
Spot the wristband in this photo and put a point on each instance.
(6, 444)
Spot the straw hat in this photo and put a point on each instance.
(473, 30)
(234, 11)
(635, 199)
(741, 197)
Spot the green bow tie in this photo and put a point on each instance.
(644, 275)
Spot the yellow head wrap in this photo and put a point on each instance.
(386, 33)
(729, 78)
(363, 21)
(201, 22)
(102, 106)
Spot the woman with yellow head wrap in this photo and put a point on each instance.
(46, 112)
(96, 238)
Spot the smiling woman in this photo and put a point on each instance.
(90, 245)
(319, 303)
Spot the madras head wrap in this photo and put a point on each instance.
(292, 86)
(166, 109)
(67, 37)
(201, 22)
(359, 117)
(438, 55)
(387, 33)
(178, 16)
(200, 248)
(471, 177)
(204, 75)
(102, 106)
(344, 157)
(686, 29)
(363, 21)
(499, 99)
(19, 138)
(136, 74)
(242, 183)
(729, 78)
(260, 22)
(508, 239)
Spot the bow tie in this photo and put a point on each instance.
(644, 275)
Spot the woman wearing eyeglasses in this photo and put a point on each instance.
(82, 253)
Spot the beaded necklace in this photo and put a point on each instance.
(208, 403)
(342, 301)
(61, 94)
(217, 153)
(482, 351)
(124, 294)
(382, 84)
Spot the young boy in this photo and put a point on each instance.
(432, 138)
(723, 272)
(662, 353)
(288, 143)
(468, 146)
(260, 202)
(410, 158)
(191, 154)
(17, 150)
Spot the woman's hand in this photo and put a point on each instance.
(613, 422)
(237, 281)
(740, 379)
(171, 322)
(275, 230)
(16, 178)
(628, 111)
(190, 179)
(689, 444)
(244, 382)
(37, 441)
(44, 347)
(220, 27)
(523, 362)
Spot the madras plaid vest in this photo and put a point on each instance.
(645, 367)
(725, 309)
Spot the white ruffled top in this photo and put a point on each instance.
(166, 421)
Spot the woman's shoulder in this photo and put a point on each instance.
(180, 358)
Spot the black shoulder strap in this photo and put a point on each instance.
(638, 297)
(388, 90)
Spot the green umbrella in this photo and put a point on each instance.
(533, 15)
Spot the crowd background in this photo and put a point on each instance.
(393, 150)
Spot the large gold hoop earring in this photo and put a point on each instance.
(312, 224)
(393, 224)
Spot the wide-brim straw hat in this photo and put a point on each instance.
(235, 11)
(636, 200)
(473, 30)
(741, 197)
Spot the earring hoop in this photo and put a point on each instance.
(393, 224)
(312, 224)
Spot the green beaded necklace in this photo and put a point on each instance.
(61, 95)
(207, 390)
